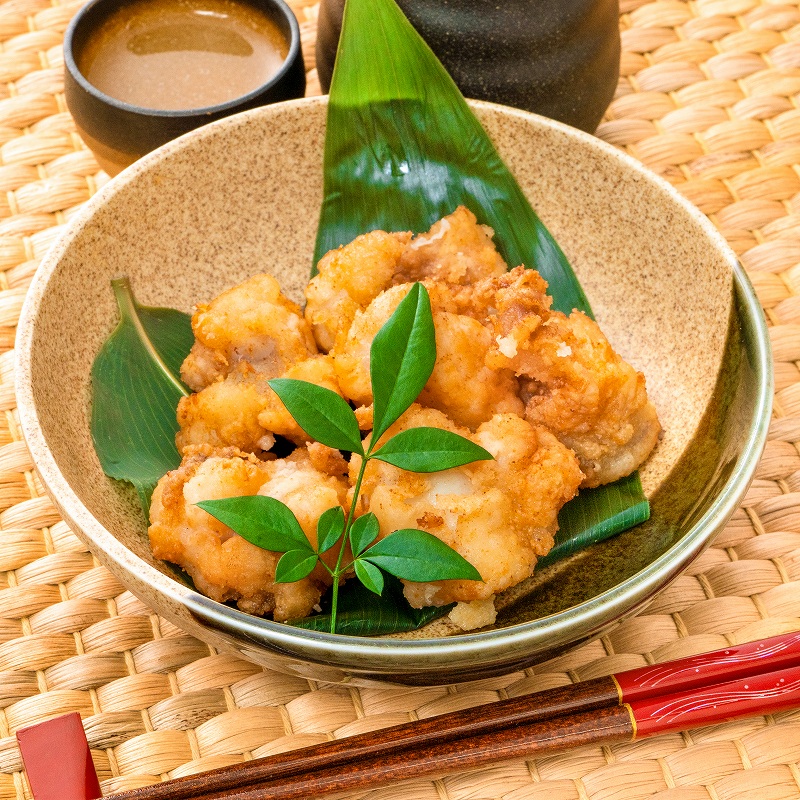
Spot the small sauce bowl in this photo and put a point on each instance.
(142, 72)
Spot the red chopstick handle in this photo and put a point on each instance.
(753, 696)
(731, 663)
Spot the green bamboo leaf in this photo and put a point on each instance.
(294, 565)
(263, 521)
(401, 358)
(135, 391)
(362, 613)
(321, 413)
(430, 450)
(330, 527)
(363, 533)
(415, 555)
(597, 514)
(403, 149)
(369, 575)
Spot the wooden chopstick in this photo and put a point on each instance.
(605, 709)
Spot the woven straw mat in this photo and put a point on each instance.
(709, 100)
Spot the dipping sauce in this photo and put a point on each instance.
(182, 54)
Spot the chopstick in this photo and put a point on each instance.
(755, 678)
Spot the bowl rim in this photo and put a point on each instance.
(338, 649)
(71, 66)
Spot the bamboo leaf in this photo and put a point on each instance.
(362, 613)
(430, 450)
(135, 390)
(403, 149)
(597, 514)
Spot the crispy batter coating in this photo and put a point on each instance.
(223, 565)
(348, 280)
(461, 385)
(253, 323)
(500, 515)
(242, 411)
(226, 414)
(590, 397)
(456, 250)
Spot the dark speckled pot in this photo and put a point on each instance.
(559, 58)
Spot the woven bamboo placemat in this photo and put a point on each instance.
(708, 99)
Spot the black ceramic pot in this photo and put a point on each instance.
(559, 58)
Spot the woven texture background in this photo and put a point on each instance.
(708, 98)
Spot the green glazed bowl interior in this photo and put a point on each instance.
(242, 196)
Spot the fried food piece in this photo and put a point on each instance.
(500, 515)
(456, 250)
(461, 385)
(253, 323)
(226, 414)
(578, 387)
(242, 411)
(223, 565)
(348, 280)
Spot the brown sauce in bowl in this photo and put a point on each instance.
(182, 54)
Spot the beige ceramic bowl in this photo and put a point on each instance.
(242, 196)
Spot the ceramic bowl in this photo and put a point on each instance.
(241, 196)
(119, 133)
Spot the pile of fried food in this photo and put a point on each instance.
(543, 392)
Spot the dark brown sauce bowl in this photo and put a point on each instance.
(119, 133)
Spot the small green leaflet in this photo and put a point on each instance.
(321, 413)
(330, 527)
(135, 390)
(369, 575)
(430, 450)
(263, 521)
(404, 352)
(415, 555)
(295, 565)
(364, 532)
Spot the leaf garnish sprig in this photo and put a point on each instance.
(402, 357)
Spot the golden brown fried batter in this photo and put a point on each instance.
(500, 515)
(456, 250)
(591, 398)
(348, 280)
(461, 384)
(242, 411)
(252, 322)
(223, 565)
(226, 413)
(545, 393)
